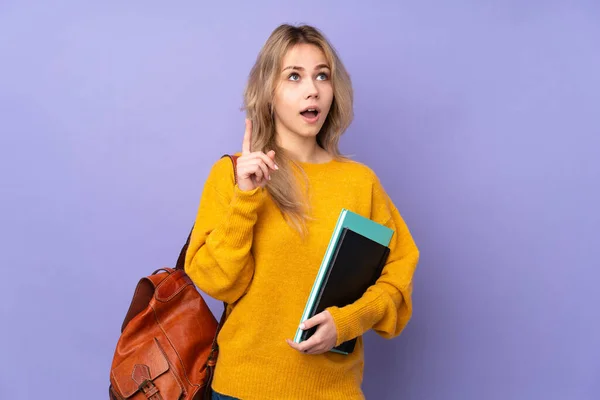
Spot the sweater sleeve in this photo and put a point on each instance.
(386, 307)
(219, 259)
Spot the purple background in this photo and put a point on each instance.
(481, 118)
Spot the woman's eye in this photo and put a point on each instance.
(294, 76)
(322, 76)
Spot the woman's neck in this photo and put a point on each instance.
(305, 150)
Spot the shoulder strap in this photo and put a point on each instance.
(181, 259)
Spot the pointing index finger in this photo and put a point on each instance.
(247, 137)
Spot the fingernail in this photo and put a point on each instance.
(302, 326)
(276, 167)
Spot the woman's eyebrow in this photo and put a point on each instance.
(296, 67)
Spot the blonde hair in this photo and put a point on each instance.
(258, 98)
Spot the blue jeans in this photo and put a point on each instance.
(219, 396)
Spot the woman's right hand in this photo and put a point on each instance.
(253, 168)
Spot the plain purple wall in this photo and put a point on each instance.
(481, 118)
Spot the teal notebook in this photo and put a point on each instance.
(347, 221)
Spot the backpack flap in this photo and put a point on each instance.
(145, 370)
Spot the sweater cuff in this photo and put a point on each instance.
(355, 319)
(343, 324)
(248, 200)
(237, 226)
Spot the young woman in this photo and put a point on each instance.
(260, 234)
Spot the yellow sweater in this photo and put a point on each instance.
(244, 253)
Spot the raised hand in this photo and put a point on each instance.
(254, 168)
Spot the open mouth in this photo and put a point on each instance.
(310, 113)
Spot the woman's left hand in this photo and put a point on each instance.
(323, 339)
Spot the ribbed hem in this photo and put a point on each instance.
(299, 377)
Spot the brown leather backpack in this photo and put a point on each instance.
(168, 348)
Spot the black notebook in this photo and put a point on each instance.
(356, 264)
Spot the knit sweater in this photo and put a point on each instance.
(243, 252)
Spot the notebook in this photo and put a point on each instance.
(355, 256)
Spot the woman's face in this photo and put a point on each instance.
(303, 93)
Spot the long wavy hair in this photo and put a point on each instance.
(284, 188)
